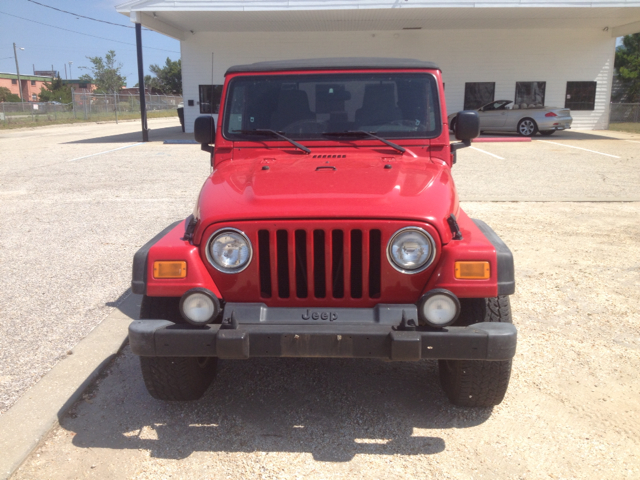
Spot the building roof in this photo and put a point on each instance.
(346, 63)
(25, 77)
(182, 18)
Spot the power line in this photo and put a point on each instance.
(85, 34)
(83, 16)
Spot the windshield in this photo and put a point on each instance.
(391, 105)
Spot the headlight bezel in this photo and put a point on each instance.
(217, 266)
(430, 258)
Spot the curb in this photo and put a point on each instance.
(37, 412)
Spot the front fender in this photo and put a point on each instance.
(170, 245)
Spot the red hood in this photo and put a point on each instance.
(357, 186)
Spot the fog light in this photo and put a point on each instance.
(439, 308)
(199, 306)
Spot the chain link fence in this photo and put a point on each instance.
(87, 107)
(624, 113)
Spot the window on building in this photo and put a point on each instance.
(477, 94)
(33, 83)
(210, 98)
(82, 85)
(530, 94)
(34, 97)
(580, 95)
(14, 81)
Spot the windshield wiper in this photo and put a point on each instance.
(266, 131)
(360, 133)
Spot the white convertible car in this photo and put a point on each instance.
(527, 120)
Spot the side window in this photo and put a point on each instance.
(210, 98)
(477, 94)
(82, 85)
(530, 94)
(34, 97)
(580, 95)
(14, 81)
(33, 83)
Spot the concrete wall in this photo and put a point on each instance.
(501, 56)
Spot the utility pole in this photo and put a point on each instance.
(15, 54)
(70, 74)
(65, 72)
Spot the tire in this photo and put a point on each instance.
(178, 378)
(546, 133)
(174, 378)
(527, 127)
(478, 383)
(452, 127)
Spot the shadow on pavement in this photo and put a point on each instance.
(331, 408)
(155, 135)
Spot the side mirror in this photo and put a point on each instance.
(467, 126)
(204, 131)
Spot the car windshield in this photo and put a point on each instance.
(305, 107)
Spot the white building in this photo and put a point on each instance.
(493, 49)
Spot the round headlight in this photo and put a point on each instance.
(411, 250)
(439, 308)
(229, 250)
(199, 306)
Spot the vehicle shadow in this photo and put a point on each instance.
(331, 408)
(155, 135)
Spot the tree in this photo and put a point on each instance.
(7, 96)
(105, 73)
(55, 91)
(627, 65)
(168, 79)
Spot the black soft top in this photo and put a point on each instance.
(346, 63)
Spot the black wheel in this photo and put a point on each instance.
(527, 127)
(452, 127)
(178, 378)
(477, 383)
(174, 378)
(546, 133)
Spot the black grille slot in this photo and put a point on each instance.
(375, 263)
(356, 263)
(337, 263)
(265, 263)
(283, 263)
(301, 264)
(319, 278)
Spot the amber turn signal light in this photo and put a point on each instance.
(169, 269)
(472, 270)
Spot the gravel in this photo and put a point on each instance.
(572, 409)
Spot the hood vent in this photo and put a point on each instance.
(329, 156)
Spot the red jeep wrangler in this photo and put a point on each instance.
(330, 227)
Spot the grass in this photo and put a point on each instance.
(625, 127)
(66, 118)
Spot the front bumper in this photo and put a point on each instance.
(255, 330)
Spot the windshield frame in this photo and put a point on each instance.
(436, 95)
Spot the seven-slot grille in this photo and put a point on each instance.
(323, 263)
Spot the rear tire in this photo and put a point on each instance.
(453, 125)
(478, 383)
(174, 378)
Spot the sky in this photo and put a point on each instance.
(45, 45)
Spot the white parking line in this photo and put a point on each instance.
(578, 148)
(108, 151)
(484, 151)
(632, 141)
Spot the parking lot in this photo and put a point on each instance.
(78, 201)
